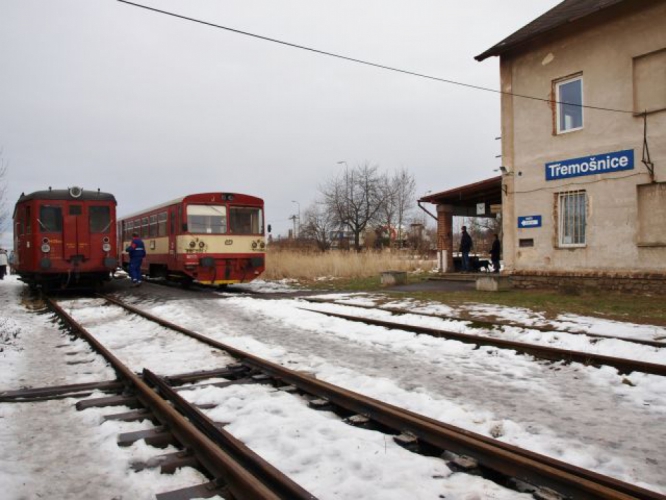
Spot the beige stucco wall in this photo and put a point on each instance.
(604, 55)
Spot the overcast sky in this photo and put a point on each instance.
(148, 107)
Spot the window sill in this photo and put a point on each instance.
(570, 247)
(565, 132)
(651, 245)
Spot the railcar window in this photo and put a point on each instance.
(153, 226)
(211, 219)
(75, 210)
(50, 219)
(161, 224)
(144, 227)
(245, 220)
(100, 219)
(28, 220)
(129, 225)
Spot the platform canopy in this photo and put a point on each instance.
(466, 200)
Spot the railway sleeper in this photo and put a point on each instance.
(129, 401)
(158, 437)
(226, 373)
(412, 443)
(168, 463)
(131, 416)
(206, 490)
(35, 394)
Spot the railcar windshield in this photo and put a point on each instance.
(100, 219)
(246, 220)
(208, 219)
(50, 219)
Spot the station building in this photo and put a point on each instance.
(583, 185)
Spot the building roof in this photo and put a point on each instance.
(564, 13)
(487, 191)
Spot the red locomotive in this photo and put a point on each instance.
(64, 238)
(210, 238)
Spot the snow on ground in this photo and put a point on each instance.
(523, 316)
(586, 416)
(561, 340)
(49, 449)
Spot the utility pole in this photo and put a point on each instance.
(298, 232)
(293, 219)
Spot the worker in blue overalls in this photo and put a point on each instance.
(136, 251)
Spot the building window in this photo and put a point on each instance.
(569, 96)
(652, 215)
(649, 82)
(572, 216)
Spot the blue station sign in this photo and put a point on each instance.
(529, 221)
(590, 165)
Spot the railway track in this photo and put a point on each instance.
(623, 365)
(480, 323)
(501, 462)
(235, 471)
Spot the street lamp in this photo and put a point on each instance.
(298, 231)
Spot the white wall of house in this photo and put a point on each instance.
(622, 63)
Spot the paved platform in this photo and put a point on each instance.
(438, 285)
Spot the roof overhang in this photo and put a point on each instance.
(563, 14)
(488, 191)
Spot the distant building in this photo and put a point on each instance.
(584, 183)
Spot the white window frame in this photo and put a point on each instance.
(559, 105)
(569, 223)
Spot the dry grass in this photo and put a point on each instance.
(308, 266)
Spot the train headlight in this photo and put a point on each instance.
(201, 244)
(106, 247)
(192, 244)
(46, 248)
(254, 245)
(262, 245)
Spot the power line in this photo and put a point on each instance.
(369, 63)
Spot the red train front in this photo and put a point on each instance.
(210, 238)
(65, 238)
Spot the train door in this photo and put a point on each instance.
(172, 262)
(23, 253)
(76, 247)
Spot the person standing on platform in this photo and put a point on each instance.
(465, 248)
(3, 263)
(495, 254)
(136, 251)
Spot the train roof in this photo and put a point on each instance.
(70, 194)
(199, 197)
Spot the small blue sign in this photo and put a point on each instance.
(529, 221)
(590, 165)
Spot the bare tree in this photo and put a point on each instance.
(354, 199)
(388, 210)
(4, 214)
(318, 224)
(405, 189)
(398, 195)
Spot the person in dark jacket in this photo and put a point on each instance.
(465, 247)
(136, 251)
(495, 254)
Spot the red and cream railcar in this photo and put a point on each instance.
(65, 238)
(210, 238)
